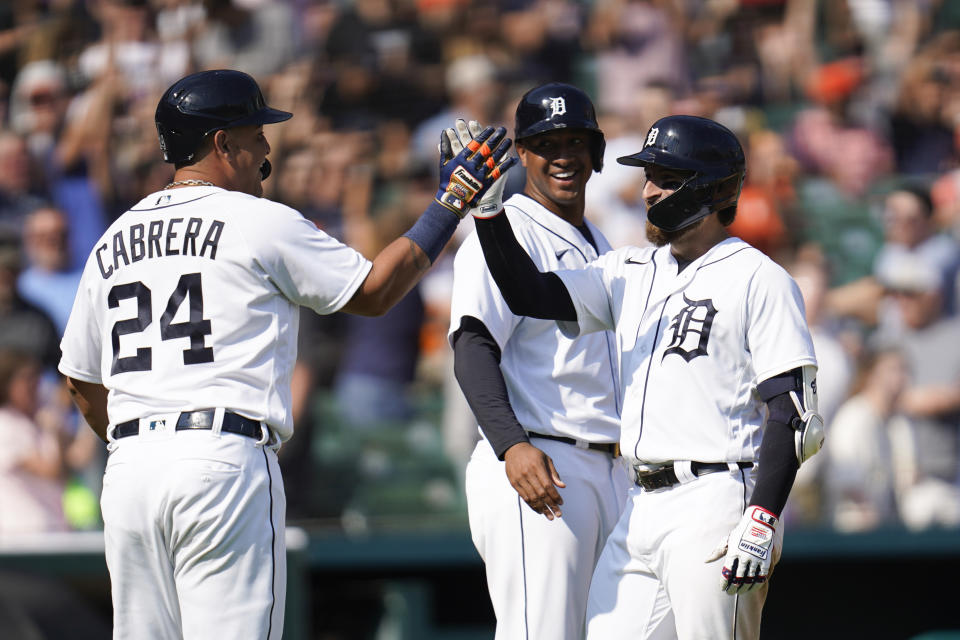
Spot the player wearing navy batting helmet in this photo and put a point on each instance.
(719, 396)
(180, 350)
(545, 483)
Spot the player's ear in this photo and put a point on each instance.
(522, 153)
(221, 142)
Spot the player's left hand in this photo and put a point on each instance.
(747, 552)
(532, 474)
(470, 135)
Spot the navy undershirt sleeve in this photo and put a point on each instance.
(777, 463)
(476, 364)
(527, 291)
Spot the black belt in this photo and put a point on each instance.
(203, 419)
(667, 477)
(613, 448)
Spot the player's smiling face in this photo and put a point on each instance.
(558, 166)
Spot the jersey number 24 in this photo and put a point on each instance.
(196, 328)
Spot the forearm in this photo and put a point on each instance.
(527, 291)
(403, 262)
(91, 400)
(477, 368)
(776, 468)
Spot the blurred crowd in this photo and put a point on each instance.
(849, 112)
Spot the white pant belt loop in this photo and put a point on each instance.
(218, 421)
(683, 471)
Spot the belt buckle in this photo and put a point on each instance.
(656, 479)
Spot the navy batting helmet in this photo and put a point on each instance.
(201, 103)
(712, 159)
(559, 106)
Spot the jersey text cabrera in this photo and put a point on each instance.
(159, 238)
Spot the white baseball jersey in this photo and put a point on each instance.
(693, 346)
(557, 386)
(189, 301)
(538, 571)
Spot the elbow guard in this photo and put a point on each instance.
(808, 427)
(792, 398)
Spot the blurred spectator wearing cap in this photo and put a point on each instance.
(929, 342)
(23, 326)
(49, 281)
(32, 456)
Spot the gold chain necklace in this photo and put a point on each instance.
(190, 183)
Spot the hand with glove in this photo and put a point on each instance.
(471, 138)
(747, 552)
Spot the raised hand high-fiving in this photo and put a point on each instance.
(473, 163)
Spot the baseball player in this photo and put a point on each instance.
(546, 404)
(179, 352)
(719, 399)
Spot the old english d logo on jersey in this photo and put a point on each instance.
(691, 329)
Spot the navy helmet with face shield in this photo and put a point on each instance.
(709, 159)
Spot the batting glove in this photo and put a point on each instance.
(471, 137)
(747, 552)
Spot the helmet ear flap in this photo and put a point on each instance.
(596, 152)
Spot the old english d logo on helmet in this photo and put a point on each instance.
(707, 153)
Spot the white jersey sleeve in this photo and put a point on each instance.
(777, 334)
(293, 253)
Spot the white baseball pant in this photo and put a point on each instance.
(194, 532)
(651, 582)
